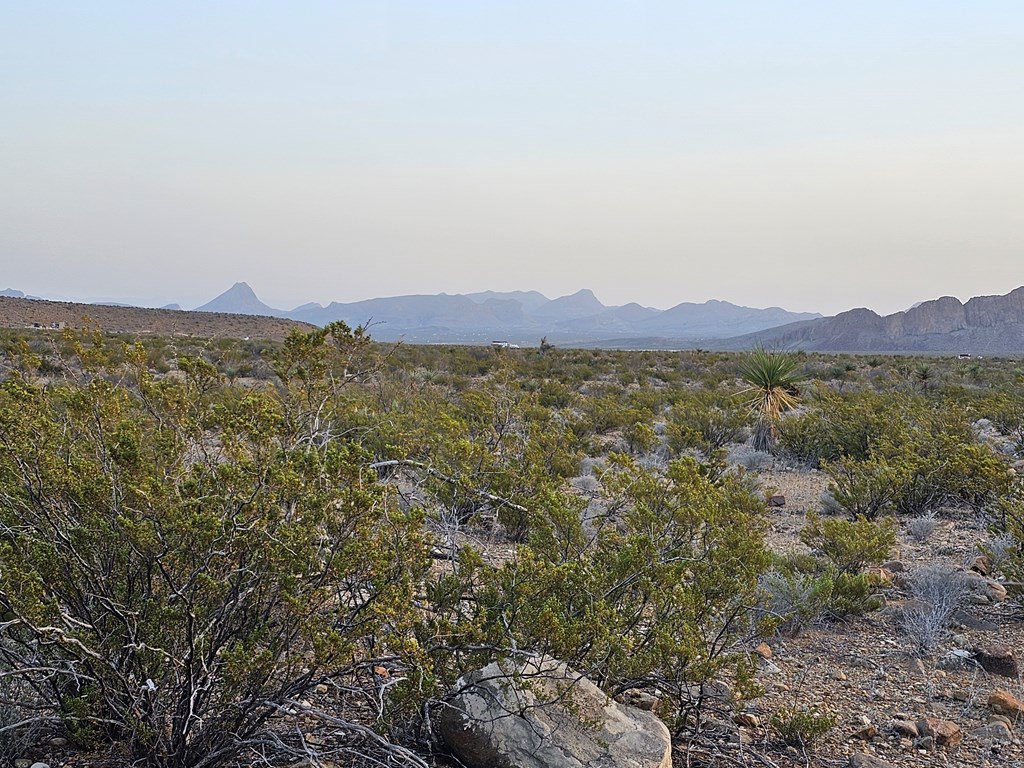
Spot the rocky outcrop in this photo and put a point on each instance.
(541, 714)
(984, 325)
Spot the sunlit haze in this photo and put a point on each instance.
(814, 156)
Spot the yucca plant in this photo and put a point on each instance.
(773, 377)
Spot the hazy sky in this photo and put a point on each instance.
(813, 155)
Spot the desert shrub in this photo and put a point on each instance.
(1000, 548)
(801, 726)
(802, 591)
(748, 458)
(661, 598)
(920, 529)
(183, 558)
(937, 470)
(640, 437)
(1006, 411)
(936, 593)
(794, 600)
(706, 422)
(850, 545)
(836, 425)
(862, 488)
(21, 726)
(853, 594)
(555, 394)
(1007, 540)
(895, 449)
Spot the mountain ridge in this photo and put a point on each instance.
(991, 324)
(515, 316)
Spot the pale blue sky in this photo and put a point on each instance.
(814, 155)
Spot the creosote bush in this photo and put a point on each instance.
(182, 559)
(850, 545)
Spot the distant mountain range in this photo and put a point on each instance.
(520, 317)
(984, 325)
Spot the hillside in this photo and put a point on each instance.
(22, 313)
(984, 325)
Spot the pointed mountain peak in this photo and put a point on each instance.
(239, 299)
(583, 303)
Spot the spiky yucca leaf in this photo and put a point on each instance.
(772, 377)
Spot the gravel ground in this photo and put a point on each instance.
(865, 671)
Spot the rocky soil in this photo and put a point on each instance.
(893, 707)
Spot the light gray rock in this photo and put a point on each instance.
(541, 714)
(862, 760)
(956, 659)
(993, 732)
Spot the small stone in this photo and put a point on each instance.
(58, 741)
(764, 651)
(40, 765)
(861, 760)
(894, 566)
(1001, 719)
(925, 743)
(906, 728)
(982, 564)
(1005, 703)
(945, 732)
(880, 577)
(746, 720)
(21, 762)
(970, 621)
(322, 688)
(995, 591)
(997, 660)
(956, 659)
(990, 732)
(644, 700)
(776, 500)
(867, 733)
(838, 674)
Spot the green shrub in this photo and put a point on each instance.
(662, 597)
(705, 422)
(182, 558)
(850, 545)
(801, 726)
(862, 488)
(798, 599)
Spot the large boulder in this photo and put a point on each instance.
(541, 714)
